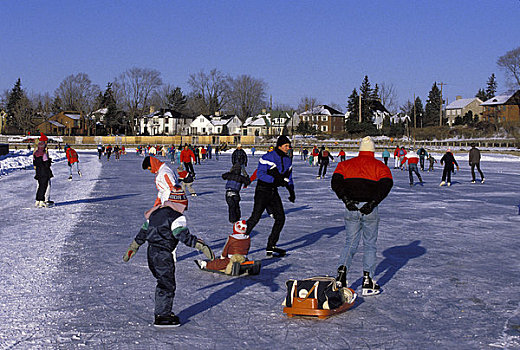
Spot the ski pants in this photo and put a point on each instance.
(233, 202)
(44, 189)
(412, 168)
(162, 266)
(358, 225)
(421, 160)
(189, 168)
(323, 166)
(267, 198)
(473, 171)
(446, 173)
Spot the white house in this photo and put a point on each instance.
(201, 125)
(258, 125)
(163, 122)
(232, 122)
(461, 106)
(272, 123)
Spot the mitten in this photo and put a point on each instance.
(350, 204)
(292, 195)
(368, 207)
(457, 168)
(132, 249)
(205, 249)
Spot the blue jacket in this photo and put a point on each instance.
(275, 168)
(386, 154)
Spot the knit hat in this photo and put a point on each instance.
(367, 144)
(177, 195)
(146, 163)
(240, 227)
(43, 137)
(282, 140)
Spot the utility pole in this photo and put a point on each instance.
(360, 108)
(414, 118)
(440, 107)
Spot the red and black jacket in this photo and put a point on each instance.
(362, 179)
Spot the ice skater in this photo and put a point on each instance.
(412, 159)
(73, 160)
(474, 161)
(234, 183)
(448, 160)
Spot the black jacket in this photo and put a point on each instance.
(43, 168)
(448, 160)
(239, 156)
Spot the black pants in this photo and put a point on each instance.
(473, 171)
(43, 183)
(446, 173)
(267, 198)
(233, 202)
(162, 266)
(386, 160)
(421, 161)
(99, 154)
(189, 168)
(323, 166)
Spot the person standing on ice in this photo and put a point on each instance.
(274, 170)
(422, 155)
(323, 161)
(42, 165)
(396, 157)
(412, 159)
(234, 183)
(73, 160)
(474, 161)
(385, 156)
(239, 156)
(164, 228)
(448, 160)
(165, 179)
(187, 156)
(361, 183)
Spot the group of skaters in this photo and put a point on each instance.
(108, 150)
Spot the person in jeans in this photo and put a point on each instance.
(412, 159)
(474, 161)
(361, 183)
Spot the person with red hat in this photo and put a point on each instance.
(165, 179)
(164, 228)
(73, 160)
(42, 165)
(236, 249)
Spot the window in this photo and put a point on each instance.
(166, 130)
(324, 128)
(324, 118)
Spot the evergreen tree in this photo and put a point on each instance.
(419, 112)
(177, 101)
(375, 94)
(491, 88)
(481, 94)
(366, 100)
(353, 105)
(14, 98)
(56, 105)
(433, 106)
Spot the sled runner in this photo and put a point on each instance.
(249, 267)
(317, 297)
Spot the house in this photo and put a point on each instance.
(503, 108)
(259, 125)
(271, 123)
(325, 119)
(201, 125)
(379, 113)
(69, 123)
(399, 118)
(163, 122)
(461, 106)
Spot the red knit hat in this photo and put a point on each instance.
(43, 137)
(240, 227)
(177, 195)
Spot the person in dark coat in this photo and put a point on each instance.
(323, 161)
(449, 161)
(235, 181)
(274, 170)
(474, 161)
(239, 156)
(164, 228)
(42, 165)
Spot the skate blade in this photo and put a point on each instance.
(369, 292)
(169, 326)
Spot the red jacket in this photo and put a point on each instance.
(362, 178)
(236, 244)
(187, 155)
(72, 156)
(341, 153)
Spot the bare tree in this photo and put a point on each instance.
(307, 103)
(208, 91)
(42, 103)
(282, 107)
(22, 114)
(246, 95)
(510, 63)
(135, 87)
(388, 95)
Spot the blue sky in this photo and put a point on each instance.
(321, 49)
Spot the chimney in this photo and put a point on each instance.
(152, 109)
(217, 113)
(264, 111)
(458, 98)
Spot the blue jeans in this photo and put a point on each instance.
(76, 165)
(357, 225)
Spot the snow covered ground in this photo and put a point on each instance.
(447, 262)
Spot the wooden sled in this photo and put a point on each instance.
(309, 307)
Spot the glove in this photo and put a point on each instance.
(457, 168)
(350, 204)
(68, 163)
(132, 249)
(368, 207)
(205, 249)
(292, 195)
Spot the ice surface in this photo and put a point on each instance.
(447, 262)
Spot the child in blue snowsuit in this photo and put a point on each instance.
(234, 183)
(164, 228)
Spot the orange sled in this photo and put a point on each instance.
(309, 307)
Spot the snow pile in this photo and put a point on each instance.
(22, 159)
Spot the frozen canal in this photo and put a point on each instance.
(447, 262)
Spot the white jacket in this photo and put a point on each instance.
(164, 181)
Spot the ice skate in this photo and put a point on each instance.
(70, 178)
(341, 278)
(194, 195)
(170, 321)
(442, 183)
(201, 264)
(369, 286)
(318, 177)
(274, 252)
(79, 173)
(473, 182)
(482, 181)
(448, 184)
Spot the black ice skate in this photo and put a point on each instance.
(369, 287)
(274, 252)
(164, 322)
(341, 278)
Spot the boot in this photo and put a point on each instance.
(169, 321)
(369, 286)
(341, 278)
(274, 252)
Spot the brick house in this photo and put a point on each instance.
(502, 108)
(325, 119)
(66, 123)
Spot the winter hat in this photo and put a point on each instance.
(146, 163)
(448, 150)
(240, 227)
(282, 140)
(177, 195)
(43, 137)
(367, 144)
